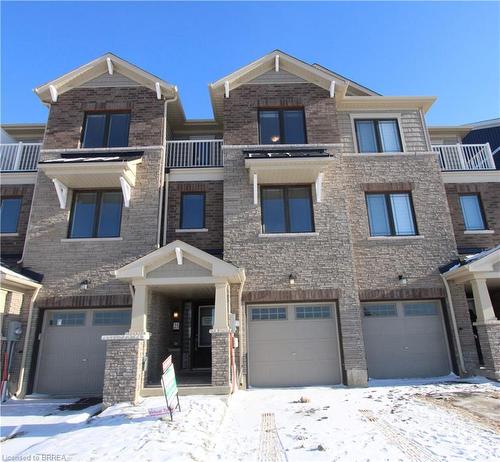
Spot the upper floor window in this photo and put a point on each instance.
(96, 214)
(391, 214)
(472, 211)
(106, 130)
(193, 210)
(282, 126)
(10, 210)
(378, 135)
(287, 209)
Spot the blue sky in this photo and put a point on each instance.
(450, 50)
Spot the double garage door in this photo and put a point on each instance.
(298, 344)
(293, 345)
(72, 354)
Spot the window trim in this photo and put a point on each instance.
(16, 231)
(287, 208)
(108, 115)
(390, 213)
(96, 213)
(281, 119)
(481, 211)
(378, 139)
(181, 213)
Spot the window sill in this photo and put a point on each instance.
(480, 231)
(9, 234)
(394, 238)
(192, 230)
(288, 234)
(92, 239)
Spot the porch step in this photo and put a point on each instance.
(191, 390)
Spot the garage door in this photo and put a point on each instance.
(72, 354)
(405, 339)
(293, 345)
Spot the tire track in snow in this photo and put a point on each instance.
(415, 451)
(270, 448)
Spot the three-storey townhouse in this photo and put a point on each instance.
(298, 238)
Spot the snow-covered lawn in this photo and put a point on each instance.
(386, 422)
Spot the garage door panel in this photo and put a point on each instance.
(294, 352)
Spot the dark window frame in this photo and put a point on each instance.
(481, 210)
(18, 215)
(108, 115)
(193, 193)
(390, 213)
(378, 140)
(97, 212)
(281, 119)
(287, 207)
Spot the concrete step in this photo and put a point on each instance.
(189, 390)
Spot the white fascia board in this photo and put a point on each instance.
(62, 192)
(110, 66)
(178, 255)
(126, 191)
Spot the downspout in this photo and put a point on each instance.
(461, 362)
(21, 389)
(163, 163)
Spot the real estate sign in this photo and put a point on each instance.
(169, 385)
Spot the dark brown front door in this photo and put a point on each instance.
(202, 324)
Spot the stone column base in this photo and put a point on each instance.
(220, 357)
(123, 373)
(357, 377)
(489, 338)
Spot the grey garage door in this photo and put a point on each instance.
(72, 353)
(405, 339)
(293, 345)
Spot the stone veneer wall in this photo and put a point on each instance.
(490, 198)
(12, 246)
(220, 359)
(212, 240)
(489, 337)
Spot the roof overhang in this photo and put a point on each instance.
(10, 280)
(276, 60)
(108, 63)
(350, 103)
(86, 173)
(484, 266)
(177, 251)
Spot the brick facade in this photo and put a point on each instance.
(12, 246)
(489, 336)
(211, 240)
(490, 198)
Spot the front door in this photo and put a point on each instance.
(203, 323)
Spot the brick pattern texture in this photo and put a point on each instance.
(12, 246)
(220, 359)
(489, 337)
(490, 198)
(210, 241)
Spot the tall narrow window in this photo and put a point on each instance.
(472, 212)
(96, 214)
(391, 214)
(10, 210)
(106, 130)
(287, 209)
(282, 126)
(378, 135)
(193, 210)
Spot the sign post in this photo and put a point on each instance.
(169, 385)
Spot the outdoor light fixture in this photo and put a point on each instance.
(403, 279)
(84, 285)
(175, 314)
(291, 279)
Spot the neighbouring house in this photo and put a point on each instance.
(313, 232)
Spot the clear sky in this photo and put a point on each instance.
(450, 50)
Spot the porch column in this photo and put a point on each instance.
(482, 301)
(220, 337)
(139, 310)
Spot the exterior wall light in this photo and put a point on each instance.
(175, 314)
(291, 279)
(403, 279)
(84, 285)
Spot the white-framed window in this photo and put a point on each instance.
(472, 212)
(67, 319)
(380, 310)
(313, 312)
(391, 214)
(112, 318)
(420, 309)
(268, 313)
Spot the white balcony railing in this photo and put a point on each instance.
(19, 157)
(194, 153)
(465, 156)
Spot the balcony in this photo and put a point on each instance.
(456, 157)
(194, 153)
(19, 157)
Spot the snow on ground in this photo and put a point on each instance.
(386, 422)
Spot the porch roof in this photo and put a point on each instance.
(485, 265)
(179, 263)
